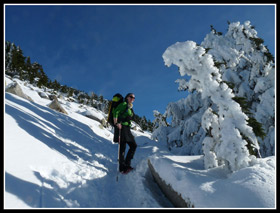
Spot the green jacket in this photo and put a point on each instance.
(123, 113)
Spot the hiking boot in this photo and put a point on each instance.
(127, 170)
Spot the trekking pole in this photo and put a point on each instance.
(119, 144)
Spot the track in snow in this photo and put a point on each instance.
(156, 191)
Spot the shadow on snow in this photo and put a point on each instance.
(69, 137)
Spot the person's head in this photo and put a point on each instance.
(130, 97)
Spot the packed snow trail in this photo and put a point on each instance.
(54, 160)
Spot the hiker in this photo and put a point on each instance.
(122, 117)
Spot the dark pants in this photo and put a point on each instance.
(126, 138)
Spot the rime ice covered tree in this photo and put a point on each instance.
(241, 72)
(228, 145)
(248, 67)
(159, 126)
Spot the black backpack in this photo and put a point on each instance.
(116, 100)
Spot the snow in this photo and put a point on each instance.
(251, 187)
(53, 160)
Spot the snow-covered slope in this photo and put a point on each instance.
(57, 160)
(53, 160)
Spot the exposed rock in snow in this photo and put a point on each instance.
(56, 106)
(43, 95)
(15, 88)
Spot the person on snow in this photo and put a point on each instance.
(122, 117)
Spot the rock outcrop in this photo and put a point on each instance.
(15, 88)
(55, 105)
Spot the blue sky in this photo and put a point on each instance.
(118, 48)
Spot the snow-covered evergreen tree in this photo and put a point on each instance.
(222, 69)
(185, 131)
(248, 65)
(160, 124)
(229, 146)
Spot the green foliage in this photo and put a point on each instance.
(249, 146)
(230, 84)
(145, 124)
(218, 64)
(70, 92)
(252, 122)
(257, 127)
(269, 56)
(64, 89)
(214, 31)
(54, 85)
(257, 42)
(18, 60)
(242, 101)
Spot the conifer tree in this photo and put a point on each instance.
(28, 67)
(247, 68)
(18, 60)
(206, 79)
